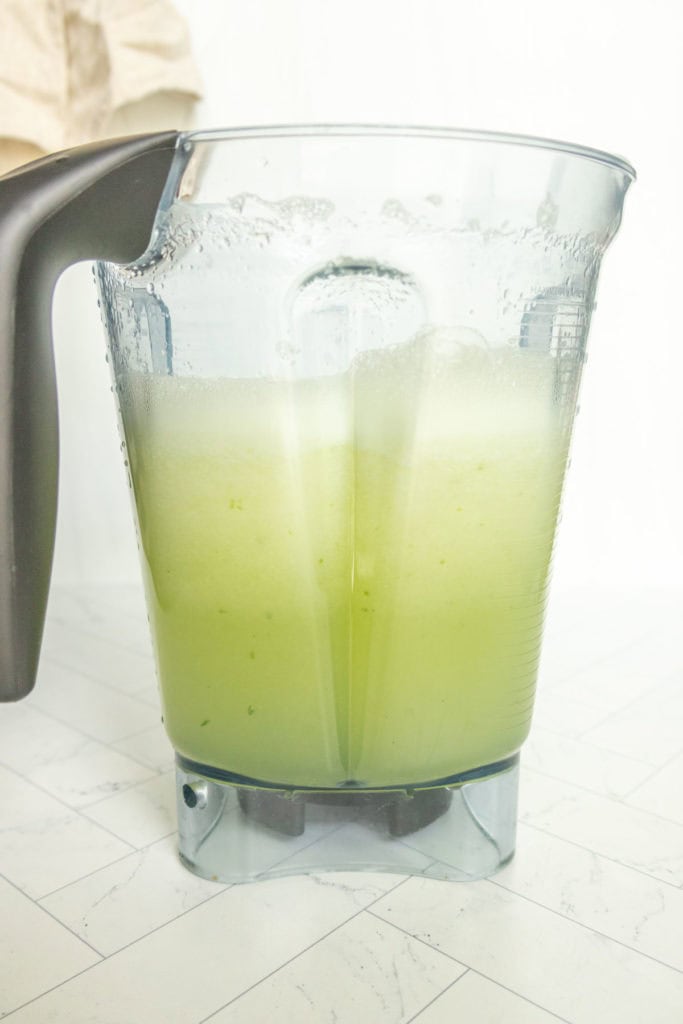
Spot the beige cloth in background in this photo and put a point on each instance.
(67, 67)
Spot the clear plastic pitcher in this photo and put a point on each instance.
(346, 367)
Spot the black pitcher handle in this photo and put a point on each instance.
(94, 202)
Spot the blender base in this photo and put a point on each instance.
(458, 829)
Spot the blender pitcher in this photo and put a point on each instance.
(346, 362)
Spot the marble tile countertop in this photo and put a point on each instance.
(100, 924)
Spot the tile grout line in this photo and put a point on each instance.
(53, 988)
(525, 998)
(137, 760)
(663, 681)
(71, 810)
(81, 731)
(338, 828)
(119, 788)
(35, 902)
(50, 659)
(58, 619)
(148, 728)
(561, 682)
(601, 794)
(506, 988)
(581, 740)
(468, 967)
(302, 952)
(677, 887)
(75, 728)
(76, 632)
(87, 634)
(106, 956)
(438, 994)
(574, 920)
(578, 735)
(266, 874)
(81, 878)
(224, 887)
(471, 970)
(153, 778)
(111, 955)
(559, 691)
(655, 771)
(597, 661)
(108, 744)
(618, 801)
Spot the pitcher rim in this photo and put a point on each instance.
(329, 130)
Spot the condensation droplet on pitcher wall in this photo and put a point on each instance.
(547, 213)
(394, 209)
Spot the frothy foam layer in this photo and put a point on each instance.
(436, 387)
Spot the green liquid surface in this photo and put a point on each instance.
(346, 575)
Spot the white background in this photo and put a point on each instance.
(602, 73)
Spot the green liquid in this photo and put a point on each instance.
(346, 575)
